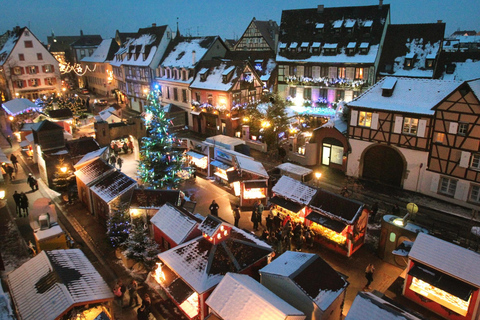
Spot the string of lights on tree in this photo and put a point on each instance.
(160, 165)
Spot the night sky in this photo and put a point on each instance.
(229, 19)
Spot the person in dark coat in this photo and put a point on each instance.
(259, 212)
(17, 199)
(113, 160)
(125, 148)
(269, 222)
(119, 163)
(9, 171)
(14, 160)
(254, 218)
(144, 311)
(236, 215)
(32, 182)
(373, 212)
(214, 208)
(24, 203)
(277, 221)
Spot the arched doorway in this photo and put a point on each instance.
(383, 164)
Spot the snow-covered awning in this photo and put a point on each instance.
(17, 106)
(196, 155)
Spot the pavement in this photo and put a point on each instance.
(90, 236)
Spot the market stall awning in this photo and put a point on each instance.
(334, 225)
(196, 155)
(220, 165)
(287, 204)
(442, 281)
(17, 106)
(233, 176)
(255, 184)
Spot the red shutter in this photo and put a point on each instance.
(29, 82)
(24, 83)
(52, 67)
(54, 80)
(14, 84)
(22, 71)
(36, 68)
(44, 69)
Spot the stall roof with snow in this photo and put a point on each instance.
(239, 297)
(293, 168)
(410, 95)
(93, 171)
(113, 185)
(294, 190)
(52, 283)
(176, 223)
(93, 155)
(368, 306)
(453, 260)
(201, 265)
(20, 105)
(315, 277)
(154, 198)
(252, 166)
(224, 141)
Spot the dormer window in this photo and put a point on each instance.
(293, 47)
(330, 49)
(184, 75)
(316, 47)
(282, 47)
(430, 61)
(351, 48)
(349, 25)
(409, 60)
(203, 74)
(364, 48)
(319, 27)
(227, 73)
(388, 86)
(367, 26)
(304, 46)
(337, 26)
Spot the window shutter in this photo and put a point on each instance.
(300, 71)
(332, 72)
(24, 83)
(22, 71)
(350, 73)
(398, 125)
(461, 191)
(45, 81)
(53, 68)
(353, 117)
(374, 125)
(422, 126)
(453, 129)
(44, 69)
(36, 69)
(434, 183)
(348, 96)
(316, 72)
(464, 159)
(29, 82)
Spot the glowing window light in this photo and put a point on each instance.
(329, 233)
(236, 188)
(441, 297)
(254, 193)
(219, 236)
(190, 306)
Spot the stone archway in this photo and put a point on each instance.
(383, 164)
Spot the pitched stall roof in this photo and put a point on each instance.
(447, 257)
(294, 190)
(53, 282)
(202, 264)
(91, 156)
(320, 282)
(239, 297)
(154, 198)
(60, 113)
(113, 185)
(410, 95)
(252, 166)
(82, 146)
(293, 168)
(19, 105)
(94, 171)
(176, 223)
(368, 306)
(421, 40)
(331, 26)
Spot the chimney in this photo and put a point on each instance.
(194, 58)
(320, 8)
(380, 4)
(81, 33)
(439, 21)
(154, 25)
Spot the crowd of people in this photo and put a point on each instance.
(128, 297)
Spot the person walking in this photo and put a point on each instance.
(32, 182)
(369, 275)
(119, 163)
(373, 212)
(17, 199)
(269, 222)
(214, 208)
(236, 215)
(132, 292)
(24, 203)
(253, 218)
(144, 311)
(9, 140)
(9, 171)
(14, 160)
(113, 160)
(259, 212)
(119, 292)
(277, 221)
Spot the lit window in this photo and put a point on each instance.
(462, 129)
(301, 150)
(447, 186)
(475, 161)
(410, 126)
(392, 237)
(365, 119)
(408, 63)
(475, 194)
(439, 137)
(48, 68)
(359, 73)
(293, 92)
(307, 93)
(32, 70)
(342, 72)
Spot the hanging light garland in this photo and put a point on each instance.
(77, 68)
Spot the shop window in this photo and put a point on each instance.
(475, 161)
(28, 44)
(410, 126)
(342, 72)
(21, 57)
(301, 150)
(439, 138)
(392, 237)
(307, 93)
(462, 128)
(358, 73)
(475, 193)
(365, 119)
(447, 186)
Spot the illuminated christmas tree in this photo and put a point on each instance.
(118, 227)
(160, 164)
(139, 246)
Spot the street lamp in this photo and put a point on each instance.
(412, 209)
(318, 175)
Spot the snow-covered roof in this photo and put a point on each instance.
(239, 297)
(19, 105)
(294, 190)
(293, 45)
(330, 45)
(350, 23)
(351, 45)
(368, 306)
(53, 282)
(320, 282)
(91, 156)
(364, 45)
(447, 257)
(174, 223)
(101, 52)
(93, 171)
(7, 42)
(316, 45)
(53, 231)
(196, 263)
(249, 164)
(214, 79)
(475, 86)
(225, 141)
(337, 23)
(181, 56)
(421, 52)
(282, 45)
(464, 71)
(341, 56)
(113, 185)
(293, 168)
(6, 312)
(409, 95)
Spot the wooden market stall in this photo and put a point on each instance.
(443, 278)
(340, 223)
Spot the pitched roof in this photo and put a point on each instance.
(336, 207)
(93, 171)
(214, 70)
(19, 105)
(82, 146)
(294, 190)
(60, 113)
(92, 156)
(46, 125)
(239, 297)
(113, 185)
(53, 282)
(311, 274)
(331, 26)
(252, 166)
(60, 43)
(87, 41)
(447, 257)
(8, 40)
(202, 264)
(410, 95)
(174, 222)
(368, 306)
(268, 29)
(179, 53)
(154, 198)
(422, 39)
(104, 52)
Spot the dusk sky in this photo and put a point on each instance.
(229, 19)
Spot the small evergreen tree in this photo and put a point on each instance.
(140, 247)
(63, 176)
(159, 163)
(118, 227)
